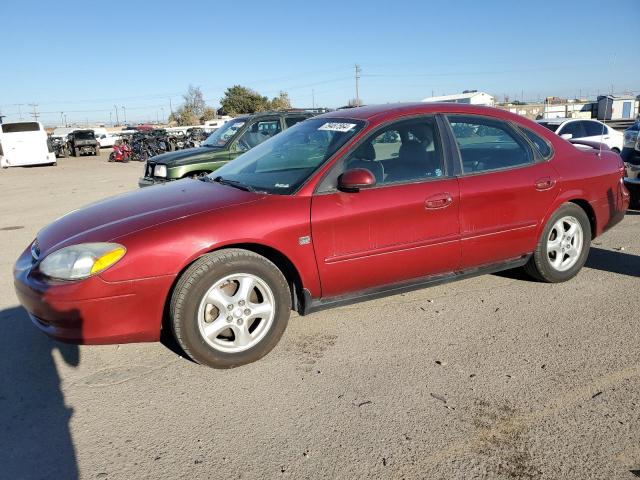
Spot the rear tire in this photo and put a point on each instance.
(615, 150)
(563, 247)
(230, 308)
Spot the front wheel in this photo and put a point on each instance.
(564, 246)
(230, 308)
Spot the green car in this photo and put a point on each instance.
(232, 139)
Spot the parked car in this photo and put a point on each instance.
(631, 156)
(232, 139)
(81, 142)
(590, 130)
(321, 215)
(24, 144)
(104, 138)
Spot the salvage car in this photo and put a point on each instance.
(631, 157)
(347, 206)
(229, 141)
(81, 142)
(590, 130)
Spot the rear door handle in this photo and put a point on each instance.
(545, 184)
(440, 200)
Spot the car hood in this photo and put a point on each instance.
(186, 156)
(130, 212)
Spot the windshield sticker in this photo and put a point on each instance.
(337, 127)
(237, 125)
(281, 185)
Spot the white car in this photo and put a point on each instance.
(585, 129)
(104, 138)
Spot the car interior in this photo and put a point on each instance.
(399, 154)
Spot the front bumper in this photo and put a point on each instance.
(149, 181)
(93, 311)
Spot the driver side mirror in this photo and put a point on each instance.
(566, 136)
(236, 147)
(356, 179)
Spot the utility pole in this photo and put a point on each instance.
(110, 118)
(124, 110)
(62, 118)
(19, 110)
(117, 120)
(170, 107)
(358, 71)
(35, 111)
(313, 98)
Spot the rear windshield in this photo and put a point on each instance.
(20, 127)
(84, 135)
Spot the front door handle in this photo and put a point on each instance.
(440, 200)
(546, 183)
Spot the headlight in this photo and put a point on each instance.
(81, 261)
(160, 171)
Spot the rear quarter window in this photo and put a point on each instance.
(540, 144)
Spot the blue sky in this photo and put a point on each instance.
(85, 57)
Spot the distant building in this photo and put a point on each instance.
(617, 107)
(471, 97)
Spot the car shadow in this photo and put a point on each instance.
(598, 259)
(34, 419)
(614, 262)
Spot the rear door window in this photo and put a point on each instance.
(594, 129)
(487, 144)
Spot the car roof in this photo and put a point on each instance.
(270, 113)
(380, 113)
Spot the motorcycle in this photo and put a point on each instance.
(119, 153)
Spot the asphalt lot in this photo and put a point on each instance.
(494, 377)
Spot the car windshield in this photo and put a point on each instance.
(221, 136)
(285, 161)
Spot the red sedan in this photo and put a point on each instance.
(343, 207)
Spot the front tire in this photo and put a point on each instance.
(230, 308)
(563, 247)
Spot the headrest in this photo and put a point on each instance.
(365, 152)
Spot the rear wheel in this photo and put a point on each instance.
(615, 150)
(230, 308)
(563, 247)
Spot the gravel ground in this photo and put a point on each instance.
(494, 377)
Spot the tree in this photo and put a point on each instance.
(281, 102)
(193, 108)
(209, 113)
(238, 100)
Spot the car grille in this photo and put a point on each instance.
(149, 169)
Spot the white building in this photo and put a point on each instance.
(472, 97)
